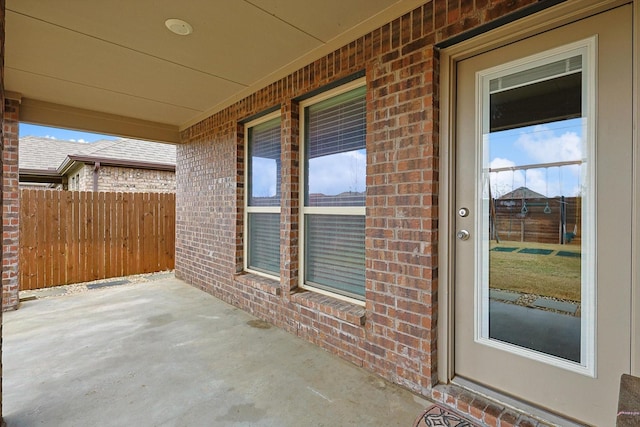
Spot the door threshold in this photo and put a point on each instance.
(515, 404)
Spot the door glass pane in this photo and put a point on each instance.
(534, 180)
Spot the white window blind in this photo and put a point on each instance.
(335, 253)
(334, 194)
(264, 238)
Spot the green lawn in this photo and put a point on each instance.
(545, 275)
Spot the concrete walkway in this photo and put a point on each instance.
(162, 353)
(544, 331)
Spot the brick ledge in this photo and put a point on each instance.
(487, 411)
(343, 310)
(264, 284)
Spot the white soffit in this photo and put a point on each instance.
(117, 57)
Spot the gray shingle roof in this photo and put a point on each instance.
(136, 150)
(48, 154)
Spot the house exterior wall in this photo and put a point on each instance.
(394, 334)
(111, 178)
(136, 180)
(10, 206)
(2, 12)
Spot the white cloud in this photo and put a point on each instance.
(536, 181)
(50, 137)
(507, 181)
(338, 173)
(264, 177)
(544, 146)
(541, 145)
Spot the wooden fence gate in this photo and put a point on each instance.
(77, 236)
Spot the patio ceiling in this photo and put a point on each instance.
(113, 66)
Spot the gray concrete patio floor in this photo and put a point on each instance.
(162, 353)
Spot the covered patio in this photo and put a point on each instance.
(163, 353)
(376, 222)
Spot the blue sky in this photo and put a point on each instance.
(64, 134)
(558, 141)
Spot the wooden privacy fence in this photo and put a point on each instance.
(544, 220)
(77, 236)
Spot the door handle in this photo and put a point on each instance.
(463, 235)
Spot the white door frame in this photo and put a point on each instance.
(550, 18)
(635, 240)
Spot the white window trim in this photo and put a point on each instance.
(331, 210)
(255, 209)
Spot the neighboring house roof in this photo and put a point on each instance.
(49, 159)
(46, 153)
(523, 193)
(135, 150)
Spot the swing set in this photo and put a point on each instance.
(527, 200)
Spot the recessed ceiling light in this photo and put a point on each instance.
(179, 27)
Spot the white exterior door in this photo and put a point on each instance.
(543, 194)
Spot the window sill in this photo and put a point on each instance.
(255, 281)
(343, 310)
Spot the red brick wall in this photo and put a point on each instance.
(10, 206)
(395, 334)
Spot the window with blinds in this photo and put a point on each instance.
(262, 222)
(334, 183)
